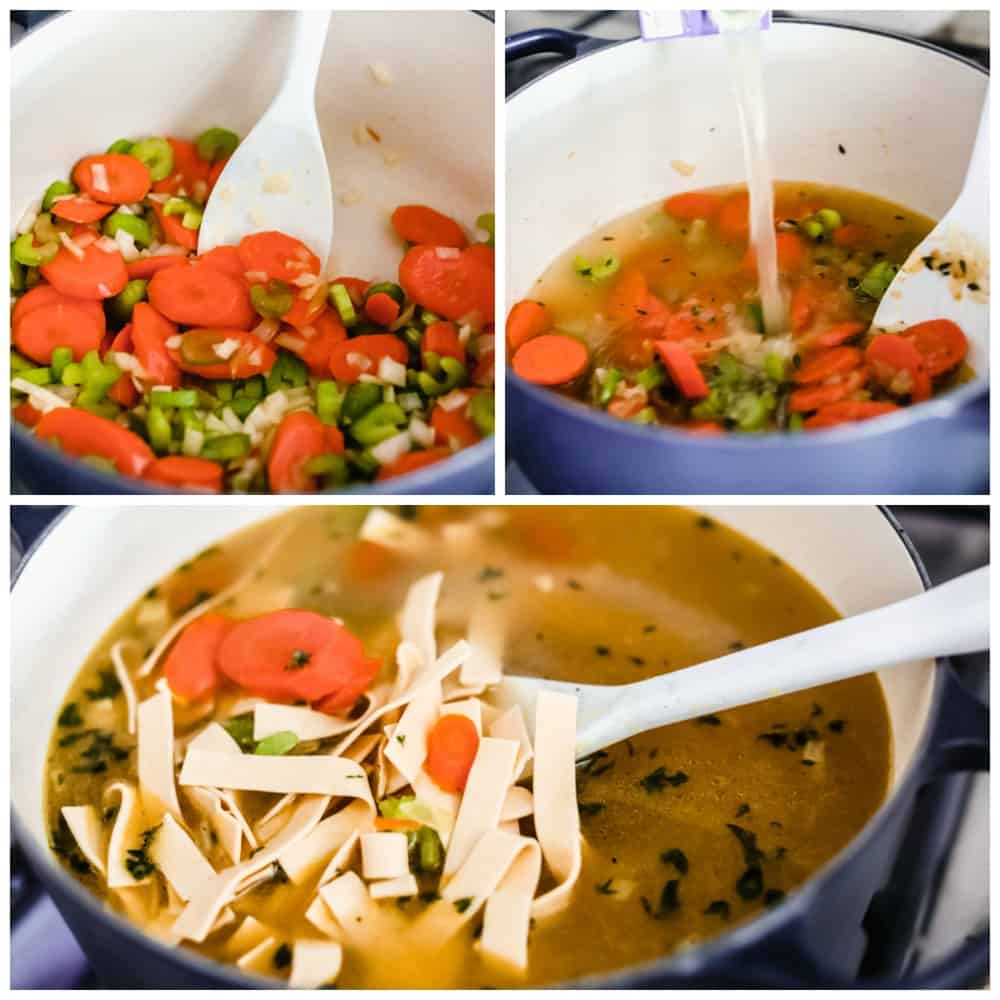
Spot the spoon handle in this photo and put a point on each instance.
(305, 53)
(947, 620)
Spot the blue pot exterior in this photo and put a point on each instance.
(41, 469)
(567, 448)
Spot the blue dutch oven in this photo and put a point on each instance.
(73, 63)
(594, 137)
(815, 938)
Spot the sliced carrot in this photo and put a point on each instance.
(80, 210)
(81, 433)
(451, 748)
(291, 655)
(791, 253)
(57, 325)
(442, 339)
(412, 461)
(146, 267)
(452, 287)
(280, 257)
(189, 172)
(826, 364)
(388, 824)
(150, 332)
(98, 274)
(551, 359)
(25, 413)
(683, 369)
(174, 230)
(941, 342)
(848, 411)
(628, 296)
(304, 311)
(626, 407)
(186, 472)
(803, 307)
(822, 394)
(454, 425)
(850, 236)
(705, 428)
(899, 367)
(382, 308)
(734, 217)
(190, 665)
(693, 205)
(300, 437)
(200, 295)
(47, 295)
(834, 336)
(127, 179)
(226, 259)
(198, 353)
(422, 225)
(215, 172)
(525, 320)
(123, 392)
(350, 359)
(327, 332)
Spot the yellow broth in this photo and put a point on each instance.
(706, 300)
(595, 594)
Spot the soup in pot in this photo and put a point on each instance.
(289, 753)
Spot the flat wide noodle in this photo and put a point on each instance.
(305, 859)
(304, 722)
(215, 738)
(156, 759)
(319, 915)
(510, 725)
(126, 834)
(486, 635)
(407, 746)
(260, 958)
(176, 855)
(517, 804)
(248, 935)
(393, 888)
(85, 824)
(417, 619)
(482, 800)
(358, 915)
(323, 775)
(384, 855)
(226, 827)
(125, 680)
(315, 964)
(557, 818)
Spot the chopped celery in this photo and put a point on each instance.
(61, 357)
(138, 228)
(332, 468)
(55, 190)
(158, 429)
(774, 367)
(609, 383)
(189, 212)
(288, 370)
(224, 391)
(181, 398)
(652, 377)
(596, 271)
(19, 363)
(647, 415)
(412, 336)
(481, 412)
(243, 406)
(454, 376)
(17, 275)
(277, 744)
(877, 281)
(72, 374)
(487, 222)
(157, 154)
(378, 424)
(389, 288)
(216, 144)
(829, 218)
(428, 318)
(363, 463)
(272, 300)
(360, 398)
(340, 299)
(26, 253)
(813, 228)
(329, 401)
(796, 422)
(120, 146)
(123, 304)
(429, 854)
(36, 376)
(224, 447)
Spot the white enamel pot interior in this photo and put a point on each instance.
(85, 79)
(94, 562)
(594, 139)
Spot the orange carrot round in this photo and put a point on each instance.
(174, 230)
(199, 353)
(551, 359)
(146, 267)
(80, 210)
(382, 308)
(848, 411)
(412, 461)
(98, 274)
(734, 217)
(125, 179)
(81, 433)
(898, 366)
(835, 361)
(442, 339)
(189, 172)
(420, 224)
(450, 286)
(683, 369)
(454, 425)
(693, 205)
(190, 665)
(350, 359)
(226, 259)
(941, 343)
(525, 320)
(47, 295)
(39, 333)
(327, 331)
(150, 332)
(452, 744)
(834, 336)
(280, 257)
(299, 438)
(200, 295)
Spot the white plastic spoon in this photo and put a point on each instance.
(944, 621)
(919, 292)
(278, 177)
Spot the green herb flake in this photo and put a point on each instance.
(109, 687)
(836, 725)
(661, 778)
(604, 888)
(283, 957)
(773, 896)
(752, 854)
(708, 720)
(750, 884)
(488, 573)
(461, 905)
(717, 908)
(676, 858)
(300, 659)
(401, 739)
(138, 863)
(588, 809)
(240, 727)
(277, 744)
(70, 716)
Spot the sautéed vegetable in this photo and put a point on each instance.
(286, 756)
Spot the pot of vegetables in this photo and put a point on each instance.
(635, 124)
(813, 938)
(378, 98)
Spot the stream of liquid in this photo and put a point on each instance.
(741, 32)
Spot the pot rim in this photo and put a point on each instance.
(941, 407)
(691, 962)
(422, 481)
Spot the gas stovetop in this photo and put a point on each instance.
(927, 911)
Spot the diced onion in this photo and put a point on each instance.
(392, 371)
(129, 362)
(485, 344)
(70, 197)
(99, 177)
(255, 358)
(464, 332)
(381, 73)
(453, 400)
(266, 330)
(30, 217)
(447, 253)
(158, 197)
(280, 183)
(107, 244)
(104, 291)
(374, 379)
(232, 421)
(126, 244)
(42, 399)
(174, 343)
(193, 441)
(388, 451)
(168, 250)
(256, 277)
(72, 247)
(421, 433)
(306, 280)
(226, 348)
(409, 401)
(360, 361)
(200, 191)
(291, 342)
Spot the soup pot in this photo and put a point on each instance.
(125, 63)
(593, 139)
(814, 938)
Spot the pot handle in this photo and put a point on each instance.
(544, 41)
(961, 737)
(28, 524)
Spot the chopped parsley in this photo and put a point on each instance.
(836, 725)
(661, 778)
(743, 810)
(591, 808)
(102, 749)
(751, 883)
(718, 908)
(108, 688)
(488, 573)
(138, 863)
(677, 858)
(708, 720)
(283, 957)
(604, 888)
(752, 854)
(70, 716)
(240, 727)
(401, 739)
(300, 659)
(773, 896)
(64, 844)
(461, 905)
